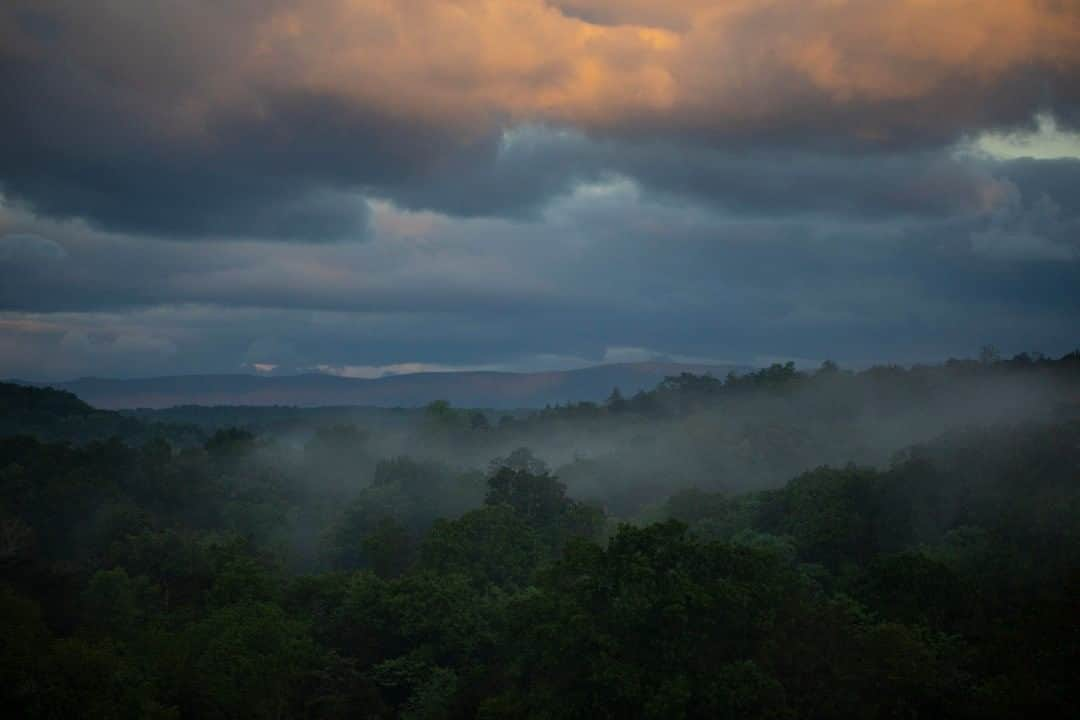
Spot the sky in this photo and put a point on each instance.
(365, 187)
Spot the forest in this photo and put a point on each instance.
(896, 542)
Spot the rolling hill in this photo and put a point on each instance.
(502, 390)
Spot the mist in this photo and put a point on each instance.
(742, 433)
(545, 359)
(629, 455)
(446, 562)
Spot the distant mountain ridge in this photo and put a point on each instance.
(489, 389)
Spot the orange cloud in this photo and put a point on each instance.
(594, 63)
(601, 63)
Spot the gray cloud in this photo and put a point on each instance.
(605, 267)
(578, 180)
(210, 120)
(19, 249)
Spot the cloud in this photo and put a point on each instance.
(377, 371)
(18, 248)
(1046, 142)
(1029, 233)
(263, 368)
(374, 186)
(631, 355)
(607, 273)
(621, 354)
(263, 119)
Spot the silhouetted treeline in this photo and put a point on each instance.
(57, 415)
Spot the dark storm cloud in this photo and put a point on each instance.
(243, 119)
(516, 174)
(534, 182)
(605, 267)
(286, 175)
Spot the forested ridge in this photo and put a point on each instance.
(893, 543)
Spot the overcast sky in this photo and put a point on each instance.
(371, 186)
